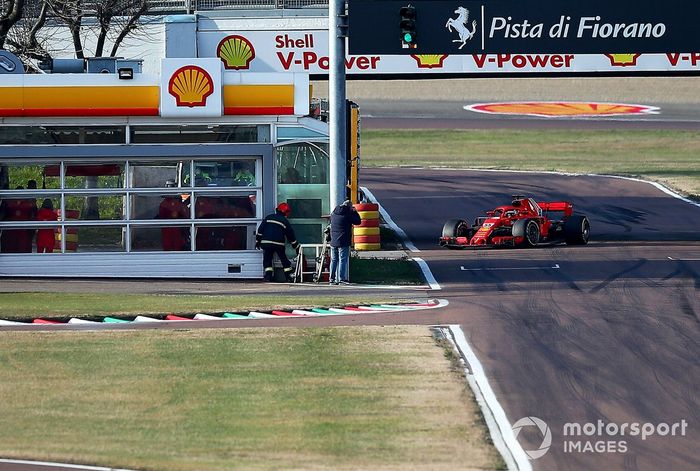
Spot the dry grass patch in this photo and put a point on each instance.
(325, 398)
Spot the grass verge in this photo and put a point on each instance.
(670, 157)
(87, 305)
(385, 271)
(332, 398)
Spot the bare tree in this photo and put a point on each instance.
(109, 20)
(27, 27)
(10, 13)
(24, 39)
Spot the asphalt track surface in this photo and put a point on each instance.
(607, 331)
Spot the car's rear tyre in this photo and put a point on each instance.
(529, 230)
(577, 230)
(456, 228)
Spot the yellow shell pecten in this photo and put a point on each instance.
(191, 85)
(236, 52)
(429, 61)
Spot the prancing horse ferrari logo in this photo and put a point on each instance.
(460, 26)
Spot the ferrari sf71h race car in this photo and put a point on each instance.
(523, 223)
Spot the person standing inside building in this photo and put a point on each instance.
(174, 238)
(343, 217)
(33, 210)
(46, 237)
(270, 237)
(17, 240)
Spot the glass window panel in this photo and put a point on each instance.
(298, 132)
(104, 175)
(225, 173)
(158, 174)
(302, 163)
(160, 238)
(200, 133)
(62, 135)
(95, 207)
(40, 175)
(18, 208)
(238, 205)
(160, 206)
(305, 208)
(39, 239)
(308, 233)
(95, 239)
(228, 237)
(16, 240)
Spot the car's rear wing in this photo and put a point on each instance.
(561, 206)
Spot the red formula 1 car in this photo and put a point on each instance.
(523, 223)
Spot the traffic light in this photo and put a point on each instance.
(408, 26)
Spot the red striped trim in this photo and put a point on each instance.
(11, 112)
(367, 239)
(369, 223)
(255, 110)
(45, 321)
(286, 314)
(173, 317)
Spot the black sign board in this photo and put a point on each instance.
(526, 26)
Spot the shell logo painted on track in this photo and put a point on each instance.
(236, 52)
(562, 109)
(191, 86)
(430, 61)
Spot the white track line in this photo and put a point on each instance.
(555, 267)
(434, 285)
(432, 282)
(500, 428)
(47, 464)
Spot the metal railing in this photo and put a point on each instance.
(164, 7)
(173, 6)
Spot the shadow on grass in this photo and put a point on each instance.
(377, 271)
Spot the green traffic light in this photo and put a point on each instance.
(407, 38)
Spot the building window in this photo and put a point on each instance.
(197, 133)
(144, 205)
(302, 181)
(62, 135)
(302, 163)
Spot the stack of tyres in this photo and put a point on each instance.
(71, 233)
(366, 235)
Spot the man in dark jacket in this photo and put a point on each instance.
(270, 238)
(343, 217)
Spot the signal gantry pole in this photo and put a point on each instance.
(337, 34)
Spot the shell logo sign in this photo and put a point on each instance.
(191, 86)
(430, 61)
(562, 109)
(623, 60)
(236, 52)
